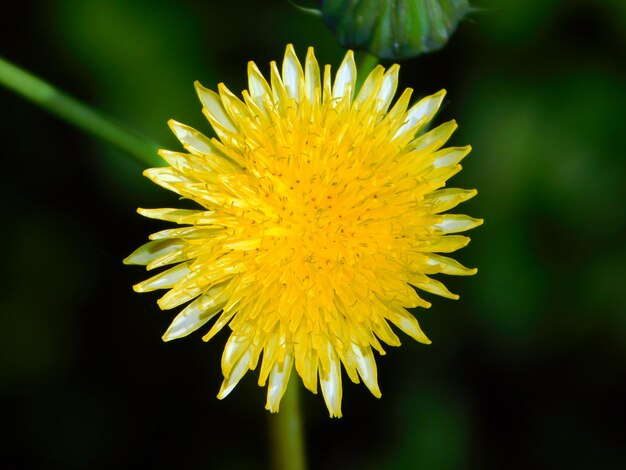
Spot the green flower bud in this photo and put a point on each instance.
(393, 29)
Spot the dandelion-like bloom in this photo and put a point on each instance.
(320, 214)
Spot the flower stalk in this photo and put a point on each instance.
(78, 114)
(286, 431)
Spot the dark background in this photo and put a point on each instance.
(527, 370)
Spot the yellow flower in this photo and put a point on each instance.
(320, 213)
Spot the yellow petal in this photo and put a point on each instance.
(153, 250)
(197, 313)
(312, 77)
(214, 107)
(292, 74)
(421, 113)
(345, 79)
(192, 140)
(445, 199)
(366, 366)
(279, 379)
(407, 323)
(330, 380)
(238, 371)
(388, 88)
(164, 280)
(454, 223)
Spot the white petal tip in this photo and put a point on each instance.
(172, 334)
(270, 409)
(225, 391)
(335, 414)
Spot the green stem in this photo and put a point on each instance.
(286, 434)
(78, 114)
(365, 64)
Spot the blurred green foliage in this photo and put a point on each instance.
(527, 370)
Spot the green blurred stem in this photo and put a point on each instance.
(78, 114)
(365, 63)
(286, 432)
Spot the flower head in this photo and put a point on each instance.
(320, 213)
